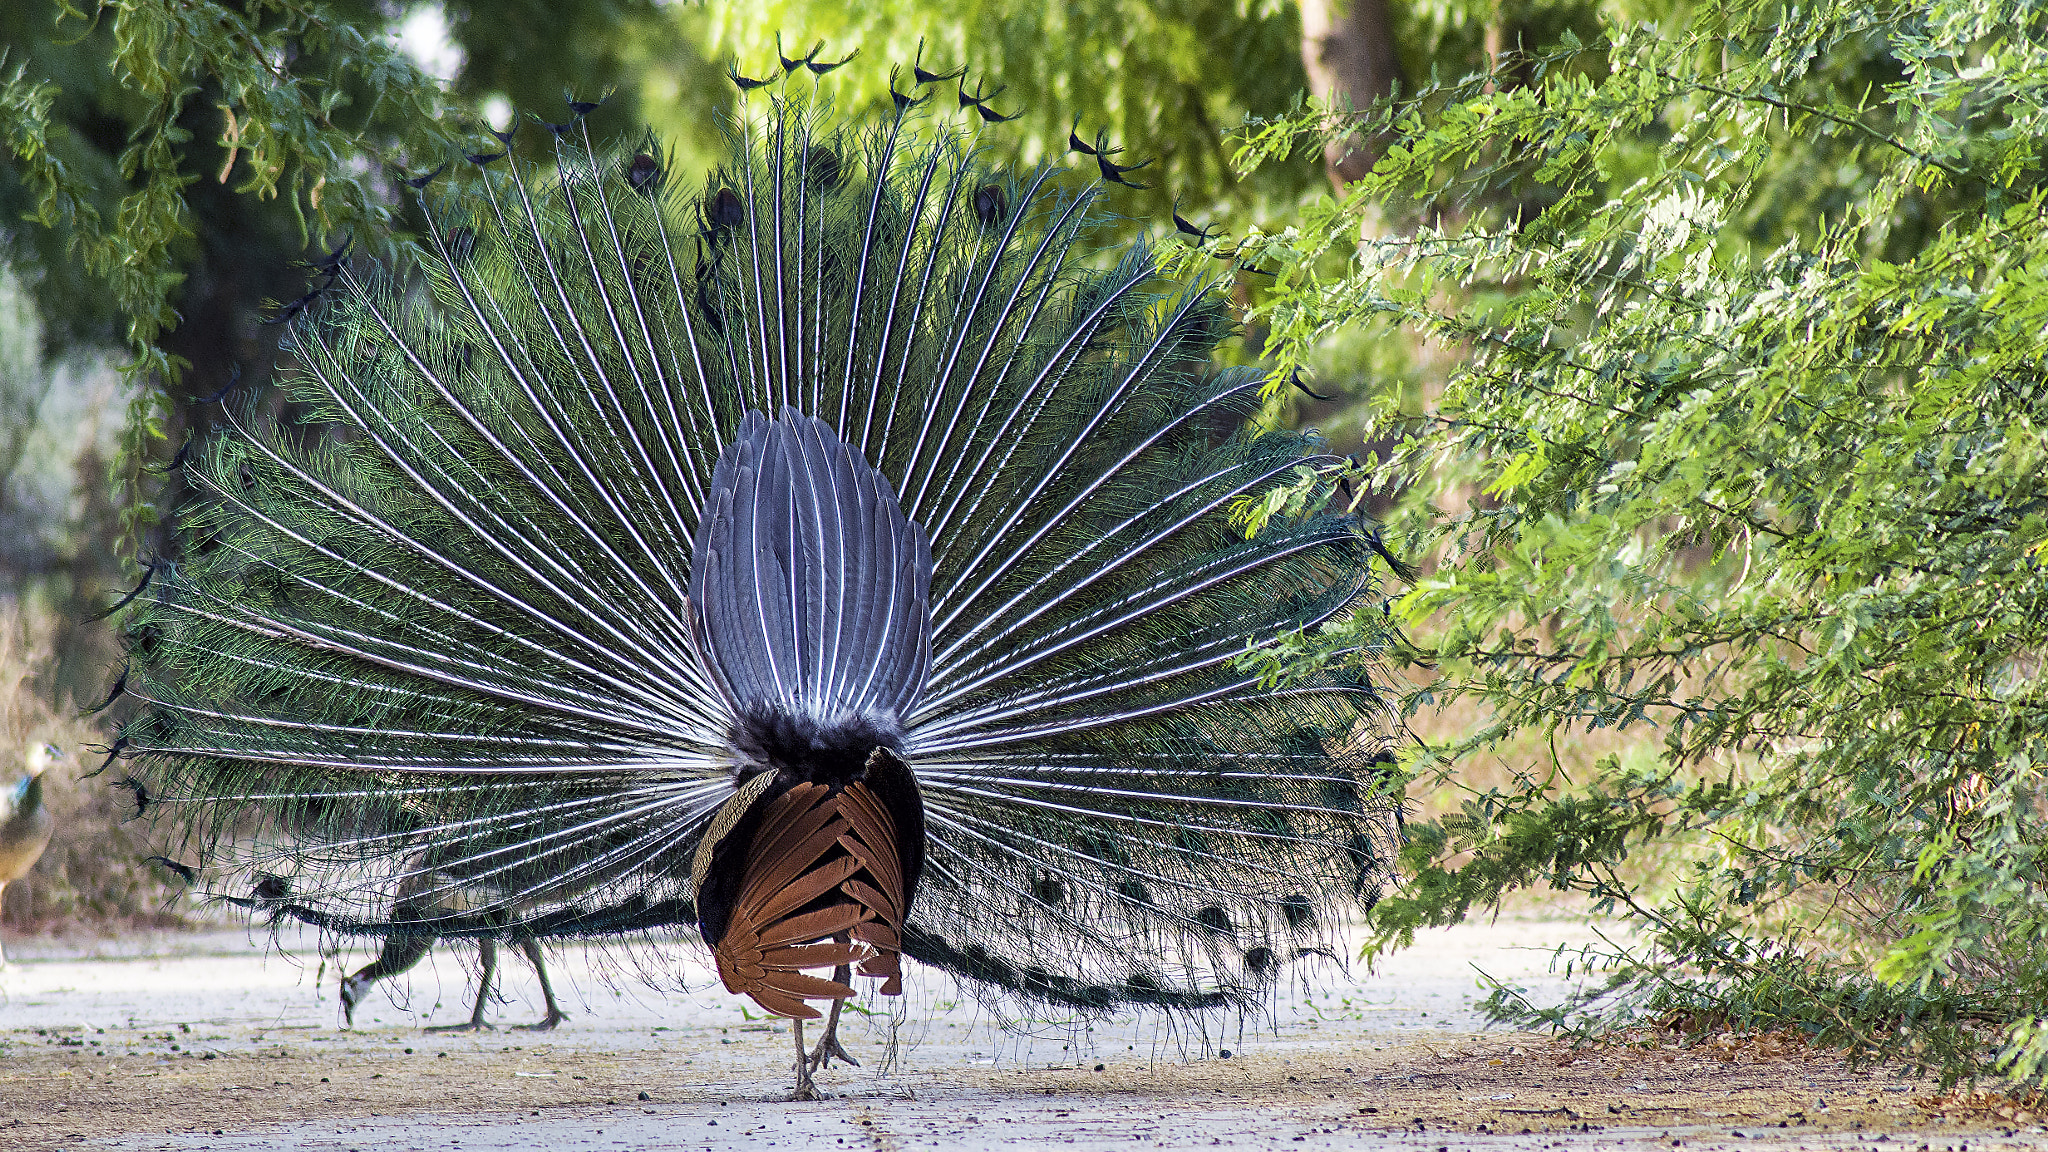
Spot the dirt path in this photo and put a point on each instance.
(206, 1042)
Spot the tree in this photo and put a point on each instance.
(1348, 53)
(166, 163)
(1743, 447)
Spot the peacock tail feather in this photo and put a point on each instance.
(438, 638)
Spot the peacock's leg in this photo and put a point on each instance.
(487, 958)
(555, 1014)
(806, 1088)
(828, 1045)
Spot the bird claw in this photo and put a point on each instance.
(466, 1026)
(806, 1088)
(544, 1024)
(829, 1049)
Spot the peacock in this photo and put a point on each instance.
(25, 824)
(837, 557)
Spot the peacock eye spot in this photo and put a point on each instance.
(727, 210)
(643, 172)
(823, 167)
(1214, 918)
(989, 205)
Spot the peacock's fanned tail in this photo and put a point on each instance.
(436, 631)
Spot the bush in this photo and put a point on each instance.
(1746, 449)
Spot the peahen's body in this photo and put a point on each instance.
(25, 823)
(427, 897)
(833, 558)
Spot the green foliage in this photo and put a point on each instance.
(1744, 446)
(275, 72)
(304, 96)
(1163, 81)
(1312, 491)
(164, 163)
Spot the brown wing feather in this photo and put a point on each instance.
(783, 1005)
(790, 864)
(791, 818)
(875, 900)
(777, 880)
(873, 842)
(813, 926)
(786, 895)
(874, 826)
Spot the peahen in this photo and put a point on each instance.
(833, 554)
(25, 824)
(426, 895)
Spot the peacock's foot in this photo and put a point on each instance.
(806, 1087)
(544, 1024)
(829, 1049)
(466, 1026)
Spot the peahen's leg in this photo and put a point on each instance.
(399, 953)
(487, 958)
(829, 1047)
(555, 1014)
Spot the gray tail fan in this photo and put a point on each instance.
(811, 589)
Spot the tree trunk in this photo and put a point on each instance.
(1496, 42)
(1348, 48)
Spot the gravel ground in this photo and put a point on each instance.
(224, 1041)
